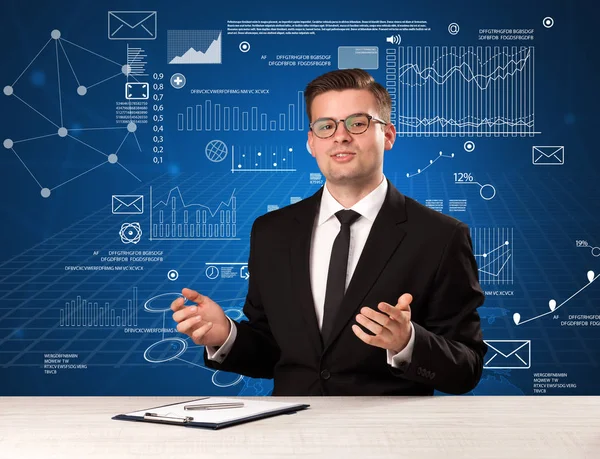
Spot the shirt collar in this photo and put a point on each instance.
(367, 207)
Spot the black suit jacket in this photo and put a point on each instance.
(410, 249)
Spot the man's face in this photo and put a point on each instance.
(346, 158)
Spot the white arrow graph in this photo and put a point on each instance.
(552, 303)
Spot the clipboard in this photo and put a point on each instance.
(174, 414)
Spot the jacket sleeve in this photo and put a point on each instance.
(448, 350)
(254, 352)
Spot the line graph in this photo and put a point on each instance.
(444, 91)
(552, 306)
(194, 46)
(431, 162)
(173, 219)
(493, 252)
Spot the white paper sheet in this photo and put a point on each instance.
(217, 416)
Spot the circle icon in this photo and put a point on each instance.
(165, 350)
(212, 272)
(178, 80)
(234, 313)
(244, 47)
(173, 275)
(216, 151)
(161, 303)
(453, 28)
(225, 379)
(469, 146)
(548, 22)
(489, 192)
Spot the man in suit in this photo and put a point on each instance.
(358, 289)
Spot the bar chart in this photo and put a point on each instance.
(212, 116)
(81, 312)
(173, 219)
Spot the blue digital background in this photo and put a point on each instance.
(544, 209)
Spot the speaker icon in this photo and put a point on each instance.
(394, 39)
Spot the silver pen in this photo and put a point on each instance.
(214, 406)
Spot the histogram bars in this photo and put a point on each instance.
(212, 116)
(84, 313)
(173, 219)
(458, 91)
(136, 61)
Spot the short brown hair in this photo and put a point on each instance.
(338, 80)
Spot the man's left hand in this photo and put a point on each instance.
(391, 326)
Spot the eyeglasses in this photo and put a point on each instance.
(358, 123)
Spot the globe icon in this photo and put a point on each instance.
(216, 151)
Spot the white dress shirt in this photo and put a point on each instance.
(325, 230)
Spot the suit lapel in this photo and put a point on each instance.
(300, 264)
(383, 240)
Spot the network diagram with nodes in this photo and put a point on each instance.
(60, 130)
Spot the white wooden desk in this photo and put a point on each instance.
(337, 427)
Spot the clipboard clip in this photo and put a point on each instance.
(153, 417)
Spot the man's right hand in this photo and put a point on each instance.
(205, 322)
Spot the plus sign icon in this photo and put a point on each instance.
(178, 81)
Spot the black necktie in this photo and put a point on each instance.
(338, 265)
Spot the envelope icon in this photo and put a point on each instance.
(548, 156)
(132, 25)
(508, 354)
(127, 204)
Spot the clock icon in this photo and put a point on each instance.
(212, 272)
